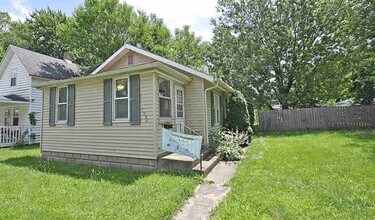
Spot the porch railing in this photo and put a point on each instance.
(11, 135)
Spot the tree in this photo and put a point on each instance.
(42, 32)
(188, 49)
(288, 51)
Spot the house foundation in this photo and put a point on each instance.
(135, 164)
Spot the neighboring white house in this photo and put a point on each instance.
(20, 70)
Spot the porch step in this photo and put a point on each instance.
(177, 162)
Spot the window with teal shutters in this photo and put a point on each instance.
(52, 106)
(107, 102)
(135, 113)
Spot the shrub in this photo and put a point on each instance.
(238, 118)
(216, 138)
(242, 138)
(230, 150)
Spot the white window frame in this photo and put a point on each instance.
(217, 108)
(168, 98)
(13, 75)
(114, 119)
(14, 116)
(7, 116)
(62, 103)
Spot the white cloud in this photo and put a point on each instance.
(177, 13)
(20, 10)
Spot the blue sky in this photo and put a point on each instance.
(176, 13)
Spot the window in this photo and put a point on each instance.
(217, 108)
(7, 117)
(165, 101)
(16, 115)
(130, 60)
(121, 108)
(179, 103)
(13, 79)
(62, 104)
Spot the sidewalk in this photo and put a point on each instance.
(209, 194)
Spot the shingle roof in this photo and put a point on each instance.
(17, 98)
(45, 66)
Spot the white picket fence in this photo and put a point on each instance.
(10, 135)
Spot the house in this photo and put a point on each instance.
(115, 116)
(20, 70)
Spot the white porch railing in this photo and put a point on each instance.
(10, 135)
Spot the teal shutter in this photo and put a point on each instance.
(52, 106)
(212, 109)
(107, 102)
(135, 113)
(71, 104)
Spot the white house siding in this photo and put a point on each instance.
(90, 136)
(23, 82)
(36, 98)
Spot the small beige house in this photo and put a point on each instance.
(114, 116)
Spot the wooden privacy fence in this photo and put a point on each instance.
(329, 118)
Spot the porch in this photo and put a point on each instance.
(11, 135)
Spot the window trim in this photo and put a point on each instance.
(13, 75)
(63, 103)
(114, 119)
(9, 117)
(166, 119)
(217, 108)
(18, 116)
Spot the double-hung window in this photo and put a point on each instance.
(62, 104)
(7, 117)
(217, 108)
(13, 77)
(165, 100)
(16, 116)
(121, 102)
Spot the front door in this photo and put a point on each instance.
(180, 110)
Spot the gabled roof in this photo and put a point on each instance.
(41, 65)
(124, 49)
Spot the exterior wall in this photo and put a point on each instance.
(90, 136)
(138, 59)
(24, 111)
(23, 82)
(104, 161)
(194, 108)
(36, 99)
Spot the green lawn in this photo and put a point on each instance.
(34, 189)
(311, 175)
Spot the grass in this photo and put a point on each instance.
(310, 175)
(35, 189)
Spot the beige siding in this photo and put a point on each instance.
(24, 112)
(90, 136)
(194, 108)
(138, 59)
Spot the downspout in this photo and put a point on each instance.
(205, 107)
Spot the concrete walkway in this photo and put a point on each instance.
(208, 195)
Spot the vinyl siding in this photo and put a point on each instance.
(138, 59)
(208, 98)
(194, 108)
(23, 81)
(23, 118)
(36, 106)
(91, 137)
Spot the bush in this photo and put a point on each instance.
(230, 150)
(238, 118)
(227, 144)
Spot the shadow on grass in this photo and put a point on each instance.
(25, 147)
(115, 175)
(364, 140)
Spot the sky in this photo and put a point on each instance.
(176, 13)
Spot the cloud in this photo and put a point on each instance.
(196, 13)
(20, 10)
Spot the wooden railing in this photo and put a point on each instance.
(11, 135)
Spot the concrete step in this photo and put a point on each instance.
(177, 162)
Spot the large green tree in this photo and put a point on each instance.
(289, 51)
